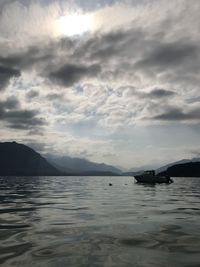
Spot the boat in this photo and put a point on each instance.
(150, 177)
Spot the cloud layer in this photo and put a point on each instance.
(137, 71)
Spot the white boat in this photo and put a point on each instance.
(151, 178)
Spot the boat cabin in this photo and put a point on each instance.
(151, 172)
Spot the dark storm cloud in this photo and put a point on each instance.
(66, 61)
(156, 93)
(17, 118)
(50, 61)
(22, 119)
(110, 45)
(69, 74)
(10, 103)
(160, 93)
(12, 60)
(32, 94)
(26, 58)
(115, 54)
(6, 73)
(177, 114)
(169, 55)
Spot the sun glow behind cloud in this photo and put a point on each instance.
(76, 24)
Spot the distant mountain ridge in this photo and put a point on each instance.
(79, 165)
(18, 159)
(189, 169)
(165, 167)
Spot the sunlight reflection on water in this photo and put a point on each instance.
(81, 221)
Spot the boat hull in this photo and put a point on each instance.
(153, 179)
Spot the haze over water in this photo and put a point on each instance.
(82, 221)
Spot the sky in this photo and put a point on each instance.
(110, 81)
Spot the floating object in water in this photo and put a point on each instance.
(149, 177)
(110, 184)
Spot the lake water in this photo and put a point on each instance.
(82, 221)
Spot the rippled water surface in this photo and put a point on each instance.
(82, 221)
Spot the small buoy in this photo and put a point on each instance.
(110, 184)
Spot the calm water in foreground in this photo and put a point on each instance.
(82, 221)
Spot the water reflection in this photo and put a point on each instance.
(81, 221)
(16, 213)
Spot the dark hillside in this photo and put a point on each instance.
(18, 159)
(191, 169)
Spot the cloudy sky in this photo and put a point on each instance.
(111, 81)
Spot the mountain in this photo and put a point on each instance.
(165, 167)
(80, 166)
(190, 169)
(18, 159)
